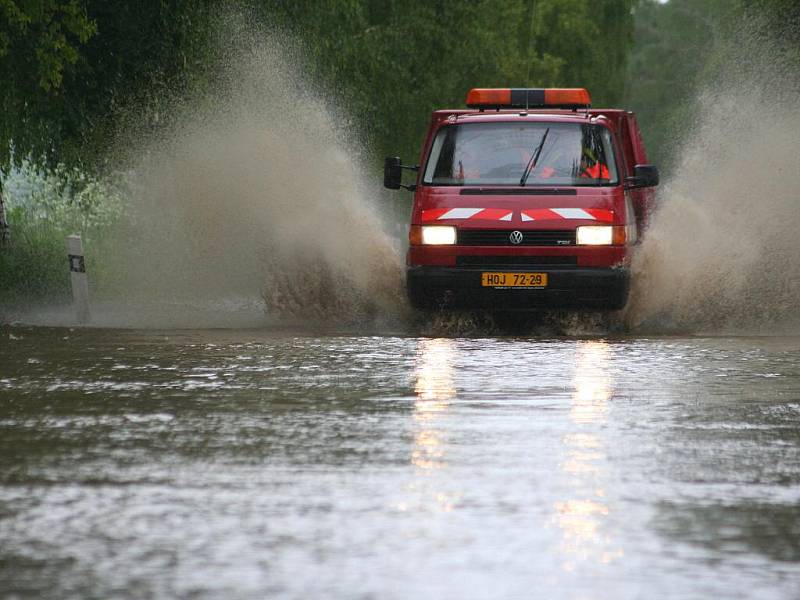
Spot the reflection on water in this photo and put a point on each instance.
(592, 383)
(583, 517)
(435, 388)
(435, 374)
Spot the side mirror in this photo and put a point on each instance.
(392, 173)
(643, 176)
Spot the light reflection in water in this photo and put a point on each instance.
(583, 517)
(435, 374)
(435, 388)
(592, 383)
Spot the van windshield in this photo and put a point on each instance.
(571, 154)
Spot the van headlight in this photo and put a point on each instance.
(438, 235)
(595, 235)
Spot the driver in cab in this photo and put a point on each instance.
(561, 161)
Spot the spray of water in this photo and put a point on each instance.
(723, 250)
(256, 196)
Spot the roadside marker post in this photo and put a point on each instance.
(80, 283)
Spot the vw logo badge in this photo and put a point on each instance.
(515, 237)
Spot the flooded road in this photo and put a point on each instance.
(256, 464)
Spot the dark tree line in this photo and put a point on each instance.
(74, 74)
(683, 46)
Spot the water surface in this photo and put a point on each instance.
(255, 464)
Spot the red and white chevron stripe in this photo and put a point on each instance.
(490, 214)
(551, 214)
(528, 214)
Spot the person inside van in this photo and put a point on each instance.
(591, 167)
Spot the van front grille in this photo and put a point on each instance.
(501, 237)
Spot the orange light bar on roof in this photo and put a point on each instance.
(528, 98)
(488, 97)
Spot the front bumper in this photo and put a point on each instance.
(602, 289)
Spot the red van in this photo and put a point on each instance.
(528, 199)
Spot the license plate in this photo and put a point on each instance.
(514, 280)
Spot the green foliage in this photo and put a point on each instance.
(34, 265)
(77, 72)
(394, 62)
(142, 65)
(74, 71)
(44, 206)
(68, 199)
(40, 46)
(685, 45)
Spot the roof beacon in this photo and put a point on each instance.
(528, 98)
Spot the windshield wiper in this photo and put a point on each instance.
(534, 158)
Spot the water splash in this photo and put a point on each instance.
(722, 252)
(259, 192)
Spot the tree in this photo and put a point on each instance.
(76, 73)
(393, 62)
(72, 71)
(39, 46)
(683, 45)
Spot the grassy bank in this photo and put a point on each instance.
(43, 207)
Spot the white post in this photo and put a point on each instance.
(4, 235)
(80, 283)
